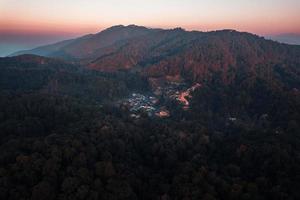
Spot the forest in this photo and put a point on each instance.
(63, 138)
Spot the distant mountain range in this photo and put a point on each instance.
(289, 38)
(90, 45)
(177, 54)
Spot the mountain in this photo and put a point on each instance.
(78, 125)
(177, 54)
(89, 46)
(198, 56)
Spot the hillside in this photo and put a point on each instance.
(165, 114)
(89, 46)
(36, 74)
(197, 56)
(177, 54)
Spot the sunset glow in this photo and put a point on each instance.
(80, 16)
(70, 18)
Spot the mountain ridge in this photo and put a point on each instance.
(64, 43)
(189, 55)
(83, 46)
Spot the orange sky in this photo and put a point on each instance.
(81, 16)
(25, 24)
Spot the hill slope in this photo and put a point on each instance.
(197, 56)
(36, 74)
(177, 54)
(86, 46)
(239, 139)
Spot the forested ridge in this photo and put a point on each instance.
(68, 150)
(62, 136)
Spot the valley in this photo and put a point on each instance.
(153, 104)
(137, 113)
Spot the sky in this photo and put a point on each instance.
(28, 23)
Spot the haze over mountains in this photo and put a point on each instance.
(11, 42)
(288, 38)
(85, 46)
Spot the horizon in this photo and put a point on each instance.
(27, 41)
(26, 24)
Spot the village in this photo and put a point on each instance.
(152, 106)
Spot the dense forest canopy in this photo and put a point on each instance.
(65, 135)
